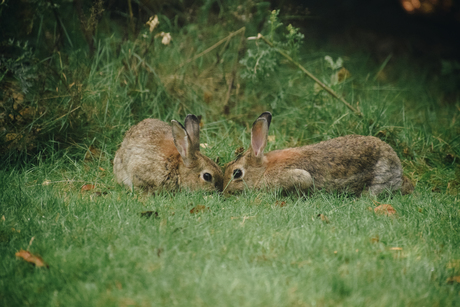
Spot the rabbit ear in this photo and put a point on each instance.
(183, 143)
(192, 126)
(259, 134)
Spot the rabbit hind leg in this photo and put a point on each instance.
(387, 177)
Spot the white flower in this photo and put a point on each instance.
(153, 23)
(166, 38)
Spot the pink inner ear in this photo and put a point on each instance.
(182, 146)
(258, 138)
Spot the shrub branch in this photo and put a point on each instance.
(309, 74)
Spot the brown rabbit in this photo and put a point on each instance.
(155, 156)
(351, 163)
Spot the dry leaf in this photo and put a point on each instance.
(271, 138)
(207, 97)
(3, 218)
(323, 218)
(239, 151)
(87, 187)
(46, 182)
(343, 74)
(148, 214)
(387, 210)
(280, 204)
(92, 153)
(204, 145)
(453, 264)
(396, 248)
(125, 302)
(375, 239)
(198, 208)
(453, 279)
(159, 251)
(27, 256)
(101, 169)
(301, 263)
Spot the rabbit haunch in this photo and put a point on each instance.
(351, 163)
(155, 156)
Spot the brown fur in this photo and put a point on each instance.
(149, 158)
(351, 163)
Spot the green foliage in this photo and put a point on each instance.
(261, 62)
(21, 68)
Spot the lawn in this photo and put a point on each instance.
(106, 246)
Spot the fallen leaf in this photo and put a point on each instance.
(271, 138)
(46, 182)
(343, 74)
(13, 136)
(204, 145)
(323, 218)
(453, 279)
(148, 214)
(207, 97)
(387, 210)
(453, 264)
(239, 151)
(198, 208)
(280, 204)
(27, 256)
(101, 169)
(375, 239)
(396, 248)
(3, 218)
(92, 153)
(125, 301)
(87, 187)
(159, 251)
(301, 263)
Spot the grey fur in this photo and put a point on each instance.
(149, 158)
(351, 163)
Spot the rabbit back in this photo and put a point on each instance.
(147, 157)
(352, 163)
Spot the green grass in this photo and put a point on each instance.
(244, 250)
(101, 252)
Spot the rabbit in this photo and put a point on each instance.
(351, 163)
(155, 156)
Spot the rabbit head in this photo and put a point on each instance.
(196, 170)
(236, 176)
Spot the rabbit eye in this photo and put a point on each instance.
(207, 177)
(237, 174)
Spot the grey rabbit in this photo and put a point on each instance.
(351, 163)
(155, 156)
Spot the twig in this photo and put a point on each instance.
(213, 46)
(309, 74)
(227, 97)
(47, 182)
(235, 67)
(30, 243)
(131, 21)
